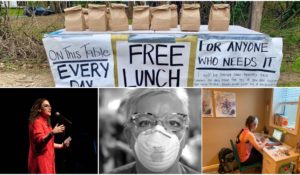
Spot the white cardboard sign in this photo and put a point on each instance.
(153, 64)
(238, 63)
(81, 61)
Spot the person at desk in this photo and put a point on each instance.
(246, 141)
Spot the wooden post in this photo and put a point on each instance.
(256, 15)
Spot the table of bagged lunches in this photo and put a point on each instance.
(98, 48)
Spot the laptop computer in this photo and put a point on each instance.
(276, 137)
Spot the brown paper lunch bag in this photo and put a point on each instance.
(190, 17)
(219, 17)
(97, 17)
(85, 12)
(118, 20)
(74, 20)
(161, 18)
(174, 16)
(141, 18)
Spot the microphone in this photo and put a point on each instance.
(57, 114)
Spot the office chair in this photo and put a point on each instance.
(237, 158)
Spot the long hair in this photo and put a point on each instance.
(34, 111)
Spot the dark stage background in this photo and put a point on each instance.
(78, 105)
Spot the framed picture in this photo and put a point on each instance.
(207, 104)
(225, 104)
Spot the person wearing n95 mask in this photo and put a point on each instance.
(156, 129)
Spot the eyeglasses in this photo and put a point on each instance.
(172, 121)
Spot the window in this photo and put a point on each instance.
(285, 108)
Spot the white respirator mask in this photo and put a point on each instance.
(157, 149)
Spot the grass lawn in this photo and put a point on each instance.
(15, 11)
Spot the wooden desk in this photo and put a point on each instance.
(273, 159)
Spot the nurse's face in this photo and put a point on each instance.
(46, 109)
(160, 106)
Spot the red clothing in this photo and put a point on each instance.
(41, 157)
(244, 147)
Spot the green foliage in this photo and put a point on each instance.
(240, 13)
(290, 33)
(296, 65)
(291, 12)
(129, 21)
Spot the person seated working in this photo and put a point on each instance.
(246, 141)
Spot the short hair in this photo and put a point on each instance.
(250, 119)
(135, 95)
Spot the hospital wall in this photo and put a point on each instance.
(217, 132)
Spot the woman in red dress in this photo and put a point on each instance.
(41, 157)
